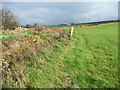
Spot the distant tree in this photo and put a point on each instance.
(35, 25)
(28, 25)
(9, 20)
(71, 23)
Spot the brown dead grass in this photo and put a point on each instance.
(20, 48)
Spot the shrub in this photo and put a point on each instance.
(9, 20)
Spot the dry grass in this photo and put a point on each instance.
(22, 47)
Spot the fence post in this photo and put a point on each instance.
(71, 31)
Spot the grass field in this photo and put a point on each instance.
(89, 59)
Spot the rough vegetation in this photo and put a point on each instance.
(23, 46)
(48, 58)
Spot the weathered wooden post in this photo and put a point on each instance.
(43, 29)
(71, 31)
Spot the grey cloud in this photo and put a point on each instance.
(56, 13)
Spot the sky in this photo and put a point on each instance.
(53, 13)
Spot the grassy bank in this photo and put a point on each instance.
(88, 59)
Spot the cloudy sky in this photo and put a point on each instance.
(52, 13)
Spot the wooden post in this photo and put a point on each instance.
(71, 31)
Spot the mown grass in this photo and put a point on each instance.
(89, 59)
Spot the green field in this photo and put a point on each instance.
(89, 59)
